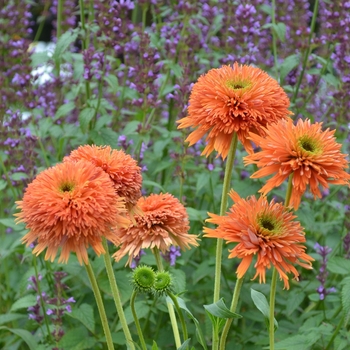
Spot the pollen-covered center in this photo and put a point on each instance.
(309, 145)
(237, 85)
(268, 224)
(66, 187)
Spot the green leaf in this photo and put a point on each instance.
(262, 305)
(19, 176)
(154, 346)
(295, 298)
(345, 298)
(85, 314)
(64, 110)
(24, 302)
(153, 184)
(266, 8)
(339, 265)
(196, 215)
(331, 80)
(219, 309)
(113, 82)
(26, 336)
(288, 64)
(85, 117)
(297, 342)
(64, 42)
(184, 345)
(280, 30)
(199, 333)
(10, 317)
(104, 136)
(130, 128)
(77, 339)
(179, 280)
(202, 181)
(10, 222)
(3, 184)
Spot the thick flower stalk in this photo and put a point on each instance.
(163, 223)
(312, 155)
(71, 206)
(233, 99)
(265, 230)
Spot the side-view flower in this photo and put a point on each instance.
(312, 155)
(267, 230)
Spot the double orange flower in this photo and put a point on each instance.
(73, 205)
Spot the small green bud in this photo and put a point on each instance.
(162, 285)
(143, 279)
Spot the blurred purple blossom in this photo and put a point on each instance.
(324, 251)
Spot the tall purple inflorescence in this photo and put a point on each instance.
(323, 273)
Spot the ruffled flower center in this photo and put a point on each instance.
(269, 225)
(238, 84)
(66, 187)
(309, 145)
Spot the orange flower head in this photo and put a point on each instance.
(71, 206)
(164, 222)
(121, 168)
(231, 99)
(313, 157)
(267, 230)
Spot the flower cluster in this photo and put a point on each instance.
(87, 198)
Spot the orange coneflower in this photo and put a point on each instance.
(312, 155)
(71, 206)
(232, 99)
(164, 223)
(267, 230)
(122, 169)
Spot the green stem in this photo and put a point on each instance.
(100, 306)
(169, 305)
(223, 207)
(116, 295)
(234, 303)
(180, 314)
(335, 333)
(59, 18)
(274, 275)
(308, 51)
(42, 304)
(85, 42)
(9, 183)
(136, 320)
(42, 22)
(272, 309)
(144, 15)
(274, 41)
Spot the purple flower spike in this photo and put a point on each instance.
(323, 273)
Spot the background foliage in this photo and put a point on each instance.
(121, 75)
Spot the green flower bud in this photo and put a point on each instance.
(143, 279)
(162, 285)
